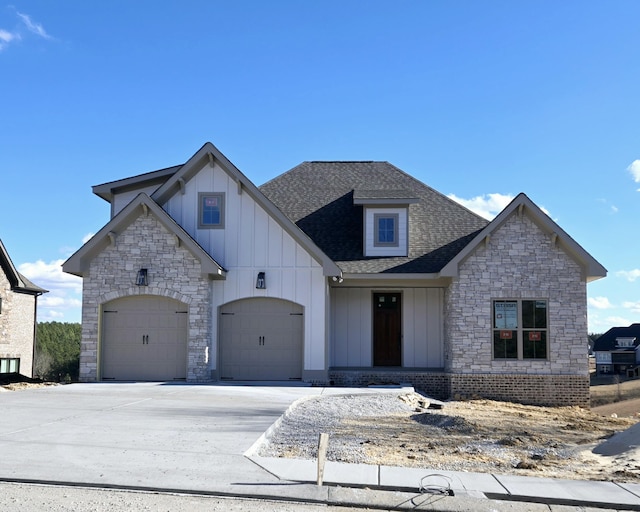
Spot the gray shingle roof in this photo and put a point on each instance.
(607, 342)
(318, 197)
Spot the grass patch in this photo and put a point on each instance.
(611, 389)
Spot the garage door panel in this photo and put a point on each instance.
(261, 339)
(144, 338)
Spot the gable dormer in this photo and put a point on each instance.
(385, 221)
(625, 342)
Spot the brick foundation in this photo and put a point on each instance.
(547, 390)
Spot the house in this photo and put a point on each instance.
(344, 273)
(18, 303)
(617, 351)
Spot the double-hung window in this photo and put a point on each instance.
(520, 329)
(210, 210)
(386, 230)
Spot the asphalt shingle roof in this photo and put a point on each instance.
(607, 342)
(318, 197)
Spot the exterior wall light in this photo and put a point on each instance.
(142, 279)
(261, 283)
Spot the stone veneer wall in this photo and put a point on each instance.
(173, 272)
(519, 262)
(17, 324)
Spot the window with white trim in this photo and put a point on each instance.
(625, 342)
(520, 328)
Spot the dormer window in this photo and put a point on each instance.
(625, 342)
(386, 221)
(386, 229)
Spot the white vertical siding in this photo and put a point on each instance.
(124, 198)
(251, 242)
(352, 320)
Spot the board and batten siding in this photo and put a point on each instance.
(251, 241)
(122, 199)
(422, 327)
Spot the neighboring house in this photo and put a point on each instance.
(618, 350)
(344, 273)
(18, 301)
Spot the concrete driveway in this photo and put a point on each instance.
(144, 435)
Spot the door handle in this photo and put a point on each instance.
(145, 339)
(261, 340)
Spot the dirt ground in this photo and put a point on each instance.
(499, 437)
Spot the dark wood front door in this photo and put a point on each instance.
(387, 329)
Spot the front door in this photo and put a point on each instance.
(387, 329)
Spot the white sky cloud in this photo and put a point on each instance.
(600, 302)
(33, 26)
(487, 206)
(7, 37)
(618, 321)
(65, 290)
(87, 237)
(634, 169)
(629, 275)
(633, 306)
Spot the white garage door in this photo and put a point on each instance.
(144, 338)
(261, 339)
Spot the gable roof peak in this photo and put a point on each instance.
(78, 263)
(17, 281)
(523, 205)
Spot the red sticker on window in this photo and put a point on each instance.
(506, 335)
(211, 201)
(535, 336)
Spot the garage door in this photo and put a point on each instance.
(261, 339)
(144, 338)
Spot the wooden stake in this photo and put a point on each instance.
(323, 444)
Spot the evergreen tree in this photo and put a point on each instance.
(57, 351)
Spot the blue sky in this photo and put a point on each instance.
(480, 99)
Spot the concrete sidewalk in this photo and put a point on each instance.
(201, 439)
(463, 486)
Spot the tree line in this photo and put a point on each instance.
(57, 355)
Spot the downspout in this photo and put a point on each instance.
(35, 332)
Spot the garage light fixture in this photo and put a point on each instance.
(142, 278)
(261, 283)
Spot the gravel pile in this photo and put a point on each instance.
(298, 433)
